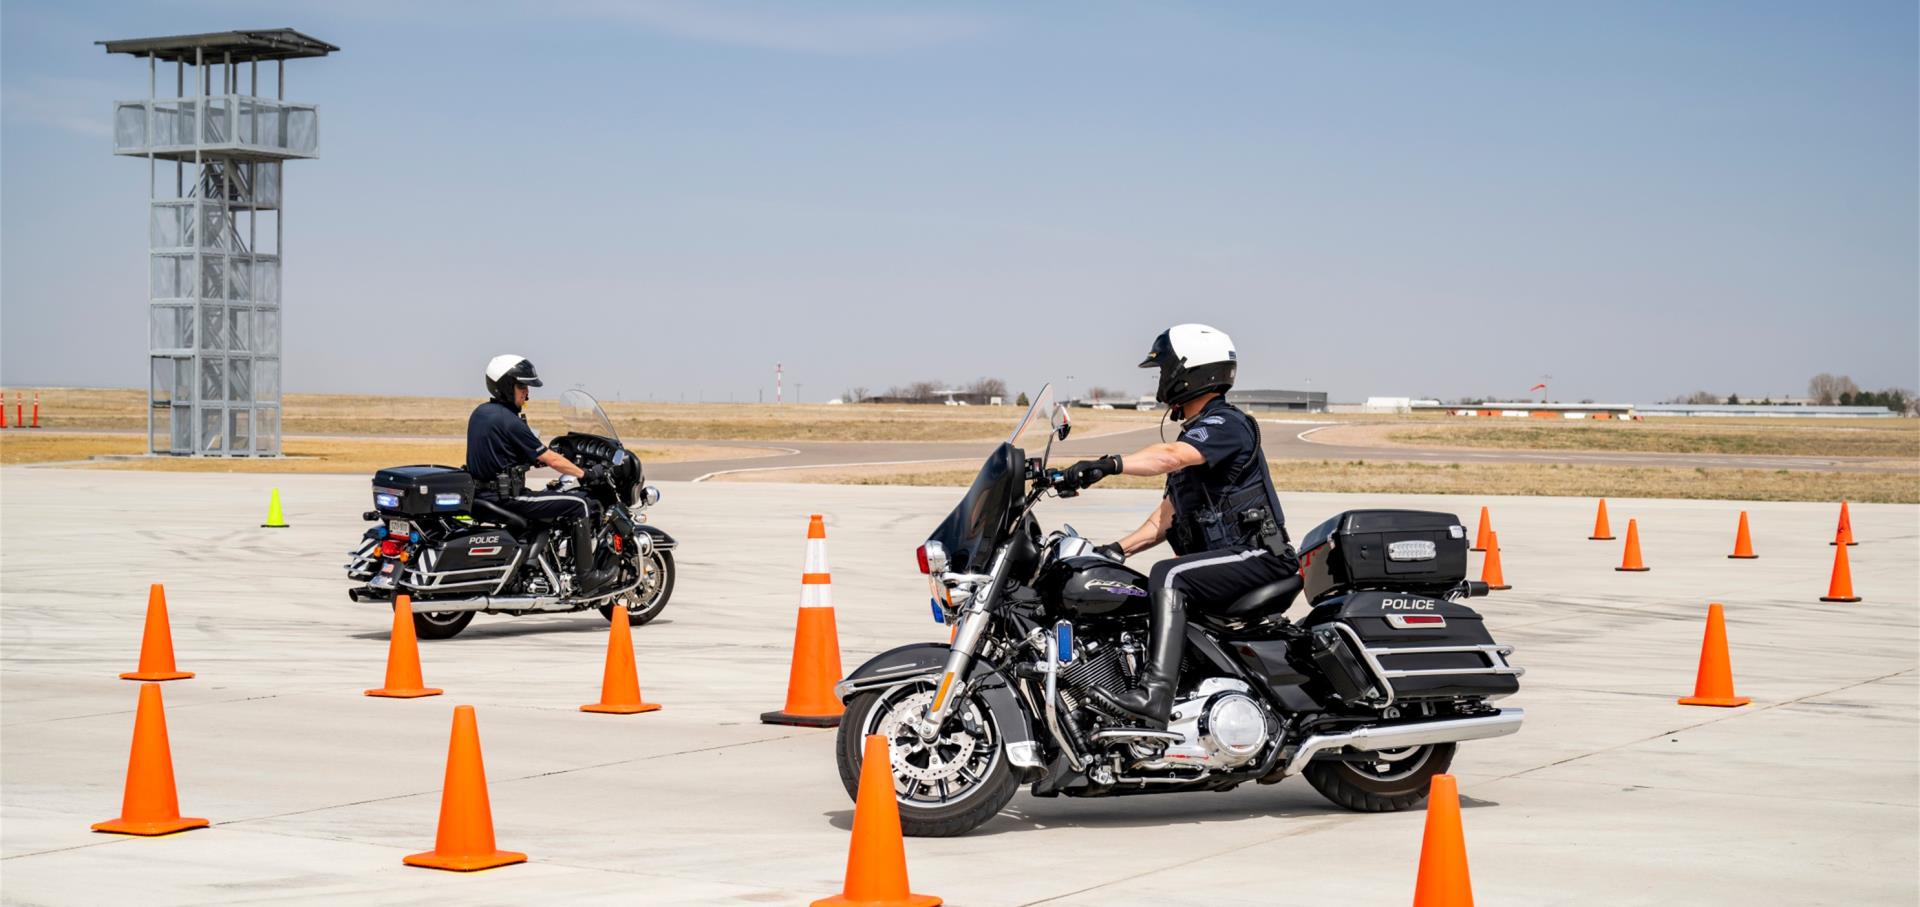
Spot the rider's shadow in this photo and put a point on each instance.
(521, 626)
(1027, 813)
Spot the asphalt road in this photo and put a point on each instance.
(1284, 440)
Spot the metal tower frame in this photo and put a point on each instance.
(214, 323)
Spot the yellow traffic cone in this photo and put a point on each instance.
(275, 519)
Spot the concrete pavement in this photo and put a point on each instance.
(1611, 794)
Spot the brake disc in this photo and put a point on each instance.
(944, 757)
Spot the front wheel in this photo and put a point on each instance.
(1380, 782)
(440, 624)
(945, 787)
(649, 598)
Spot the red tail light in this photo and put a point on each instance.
(392, 547)
(920, 554)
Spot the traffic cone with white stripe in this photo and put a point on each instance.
(816, 644)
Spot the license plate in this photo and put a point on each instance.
(399, 527)
(385, 578)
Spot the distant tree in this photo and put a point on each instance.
(1768, 401)
(1826, 389)
(1698, 398)
(1097, 394)
(854, 394)
(1733, 399)
(988, 387)
(1022, 400)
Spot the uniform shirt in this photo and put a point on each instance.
(1226, 437)
(499, 440)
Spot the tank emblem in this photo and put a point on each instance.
(1112, 587)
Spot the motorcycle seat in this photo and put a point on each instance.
(493, 513)
(1270, 599)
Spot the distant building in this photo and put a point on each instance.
(1791, 410)
(1529, 410)
(1268, 401)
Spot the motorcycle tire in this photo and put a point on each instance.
(662, 561)
(1363, 787)
(992, 794)
(443, 625)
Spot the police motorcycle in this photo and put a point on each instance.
(456, 555)
(1366, 695)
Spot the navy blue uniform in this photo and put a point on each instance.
(1213, 571)
(500, 442)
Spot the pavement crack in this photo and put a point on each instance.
(1700, 724)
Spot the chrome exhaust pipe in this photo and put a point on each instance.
(515, 604)
(1411, 733)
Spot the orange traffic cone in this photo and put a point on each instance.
(1486, 532)
(1714, 684)
(1631, 562)
(403, 657)
(877, 859)
(1743, 541)
(1843, 534)
(620, 685)
(816, 644)
(1840, 586)
(156, 646)
(150, 806)
(1443, 880)
(1490, 572)
(1602, 532)
(464, 841)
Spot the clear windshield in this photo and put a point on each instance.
(582, 414)
(1036, 428)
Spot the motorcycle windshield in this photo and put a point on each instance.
(984, 516)
(582, 415)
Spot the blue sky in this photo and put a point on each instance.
(664, 199)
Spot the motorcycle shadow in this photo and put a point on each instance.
(1043, 814)
(520, 626)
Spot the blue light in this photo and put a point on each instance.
(414, 537)
(939, 616)
(1063, 636)
(386, 501)
(379, 532)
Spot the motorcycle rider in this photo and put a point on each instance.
(501, 447)
(1220, 511)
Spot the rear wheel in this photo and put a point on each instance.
(440, 624)
(1383, 781)
(648, 599)
(945, 787)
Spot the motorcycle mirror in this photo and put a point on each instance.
(1062, 422)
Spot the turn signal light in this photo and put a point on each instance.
(920, 554)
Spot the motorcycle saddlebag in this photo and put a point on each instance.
(1421, 647)
(422, 490)
(1414, 550)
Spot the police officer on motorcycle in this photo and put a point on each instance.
(501, 447)
(1220, 511)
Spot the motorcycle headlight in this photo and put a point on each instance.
(650, 495)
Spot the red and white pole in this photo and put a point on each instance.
(778, 377)
(36, 409)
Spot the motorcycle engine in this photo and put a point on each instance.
(1224, 727)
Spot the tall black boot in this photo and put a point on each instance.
(588, 582)
(1152, 698)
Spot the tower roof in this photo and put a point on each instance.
(254, 44)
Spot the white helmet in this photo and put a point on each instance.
(1193, 359)
(504, 372)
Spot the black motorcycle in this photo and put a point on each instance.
(1366, 695)
(456, 555)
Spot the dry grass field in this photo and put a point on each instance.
(446, 417)
(1387, 477)
(1891, 439)
(305, 455)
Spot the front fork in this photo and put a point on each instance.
(971, 629)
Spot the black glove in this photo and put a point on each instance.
(1087, 472)
(594, 474)
(1112, 550)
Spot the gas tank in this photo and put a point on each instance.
(1093, 586)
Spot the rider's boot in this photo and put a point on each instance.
(1151, 699)
(588, 582)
